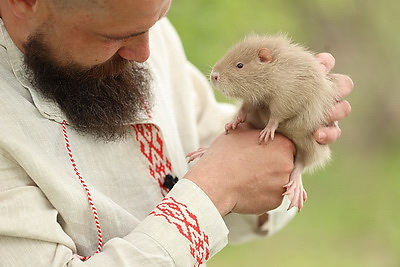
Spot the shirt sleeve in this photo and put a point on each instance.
(185, 229)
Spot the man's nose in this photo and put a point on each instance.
(136, 48)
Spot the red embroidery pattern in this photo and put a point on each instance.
(188, 226)
(152, 148)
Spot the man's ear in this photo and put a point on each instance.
(23, 8)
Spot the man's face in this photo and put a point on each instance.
(92, 36)
(94, 78)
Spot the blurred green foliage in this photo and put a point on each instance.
(352, 217)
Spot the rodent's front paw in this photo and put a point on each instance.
(269, 131)
(233, 124)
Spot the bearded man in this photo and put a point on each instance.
(94, 133)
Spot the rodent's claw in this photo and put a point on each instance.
(289, 188)
(265, 135)
(295, 192)
(232, 125)
(228, 127)
(269, 131)
(297, 197)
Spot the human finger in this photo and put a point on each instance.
(344, 83)
(327, 135)
(339, 111)
(327, 61)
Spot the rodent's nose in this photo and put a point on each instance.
(214, 76)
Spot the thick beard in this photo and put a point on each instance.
(102, 100)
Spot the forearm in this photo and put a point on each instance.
(182, 230)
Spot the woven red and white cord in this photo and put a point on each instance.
(84, 185)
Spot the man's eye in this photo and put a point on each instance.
(239, 65)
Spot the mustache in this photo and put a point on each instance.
(101, 100)
(113, 67)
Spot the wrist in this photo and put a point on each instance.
(221, 201)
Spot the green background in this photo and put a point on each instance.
(352, 217)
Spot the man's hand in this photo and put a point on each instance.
(341, 109)
(240, 175)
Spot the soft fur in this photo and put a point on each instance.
(288, 86)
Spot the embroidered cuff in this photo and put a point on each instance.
(187, 225)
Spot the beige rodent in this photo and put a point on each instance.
(284, 89)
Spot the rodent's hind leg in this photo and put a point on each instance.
(269, 131)
(294, 189)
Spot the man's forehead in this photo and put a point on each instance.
(139, 15)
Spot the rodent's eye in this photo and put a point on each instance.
(239, 65)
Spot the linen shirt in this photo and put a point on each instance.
(64, 195)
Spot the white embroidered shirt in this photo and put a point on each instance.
(64, 195)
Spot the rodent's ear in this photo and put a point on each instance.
(264, 54)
